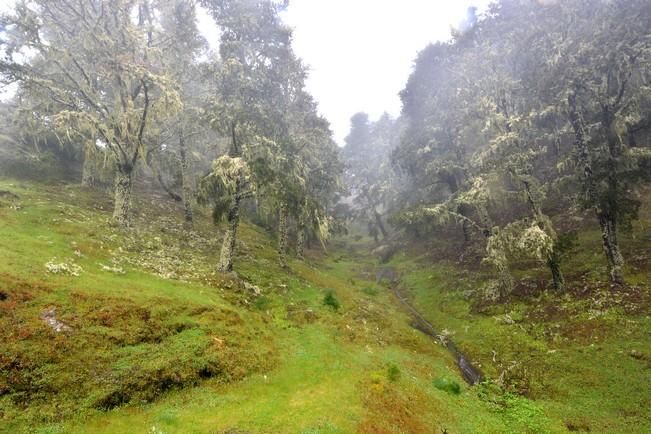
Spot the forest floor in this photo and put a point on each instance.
(112, 331)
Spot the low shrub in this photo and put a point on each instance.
(447, 385)
(393, 373)
(330, 299)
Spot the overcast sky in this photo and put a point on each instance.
(360, 52)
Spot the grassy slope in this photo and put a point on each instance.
(584, 357)
(169, 346)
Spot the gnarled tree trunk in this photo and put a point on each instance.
(123, 188)
(228, 245)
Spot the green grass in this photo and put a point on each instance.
(159, 342)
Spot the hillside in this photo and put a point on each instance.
(136, 333)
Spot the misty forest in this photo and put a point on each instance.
(186, 247)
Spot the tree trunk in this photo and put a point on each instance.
(123, 187)
(553, 259)
(465, 227)
(380, 225)
(228, 245)
(300, 237)
(88, 169)
(607, 221)
(282, 234)
(186, 187)
(615, 259)
(609, 210)
(557, 275)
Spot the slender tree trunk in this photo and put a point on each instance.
(186, 187)
(228, 245)
(553, 259)
(88, 169)
(282, 234)
(300, 237)
(123, 187)
(380, 225)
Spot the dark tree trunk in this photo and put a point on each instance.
(557, 275)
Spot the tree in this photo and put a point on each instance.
(102, 70)
(244, 106)
(261, 104)
(369, 172)
(225, 187)
(495, 107)
(184, 133)
(603, 99)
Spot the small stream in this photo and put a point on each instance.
(470, 373)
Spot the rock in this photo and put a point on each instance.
(385, 252)
(389, 275)
(252, 288)
(9, 195)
